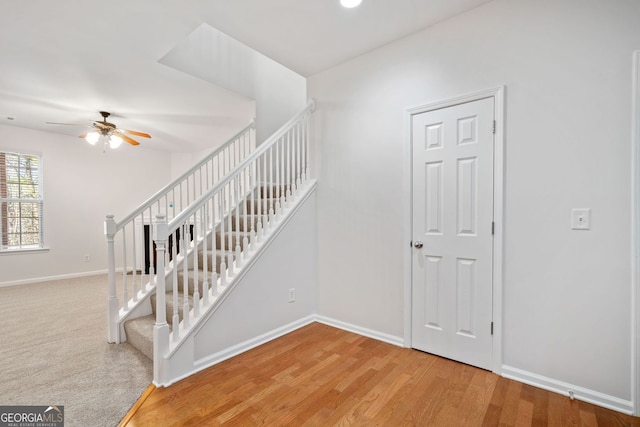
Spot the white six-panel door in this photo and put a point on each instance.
(452, 231)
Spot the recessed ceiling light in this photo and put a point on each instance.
(350, 3)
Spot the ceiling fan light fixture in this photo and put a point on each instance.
(350, 3)
(92, 137)
(115, 141)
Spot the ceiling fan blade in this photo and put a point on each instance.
(101, 125)
(133, 132)
(84, 135)
(126, 138)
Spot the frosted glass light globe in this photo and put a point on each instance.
(114, 141)
(350, 3)
(92, 137)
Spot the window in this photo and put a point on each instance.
(20, 202)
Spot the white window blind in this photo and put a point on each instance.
(21, 202)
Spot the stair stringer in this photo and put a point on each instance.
(255, 307)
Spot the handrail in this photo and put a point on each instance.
(145, 205)
(197, 203)
(134, 232)
(207, 247)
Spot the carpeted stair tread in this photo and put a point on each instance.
(201, 278)
(219, 256)
(236, 238)
(245, 225)
(262, 206)
(140, 331)
(140, 334)
(169, 306)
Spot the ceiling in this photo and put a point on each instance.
(64, 61)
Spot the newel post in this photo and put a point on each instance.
(113, 305)
(161, 329)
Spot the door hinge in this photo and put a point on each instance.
(493, 228)
(494, 127)
(491, 328)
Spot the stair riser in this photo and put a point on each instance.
(201, 279)
(229, 246)
(169, 304)
(219, 257)
(266, 192)
(140, 334)
(243, 225)
(263, 206)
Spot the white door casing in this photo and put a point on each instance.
(453, 215)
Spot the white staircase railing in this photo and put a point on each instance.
(221, 231)
(134, 258)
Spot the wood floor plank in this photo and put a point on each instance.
(322, 376)
(510, 405)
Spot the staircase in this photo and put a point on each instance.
(182, 252)
(139, 331)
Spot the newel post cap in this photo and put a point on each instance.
(110, 225)
(161, 232)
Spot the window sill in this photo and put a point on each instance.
(23, 251)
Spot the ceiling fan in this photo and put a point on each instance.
(110, 133)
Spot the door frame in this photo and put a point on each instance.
(635, 235)
(498, 94)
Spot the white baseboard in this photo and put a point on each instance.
(560, 387)
(51, 278)
(240, 348)
(376, 335)
(237, 349)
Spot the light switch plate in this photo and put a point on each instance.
(581, 219)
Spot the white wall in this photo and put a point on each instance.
(81, 185)
(260, 302)
(211, 55)
(566, 66)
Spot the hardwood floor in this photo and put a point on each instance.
(322, 376)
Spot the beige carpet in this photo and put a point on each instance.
(54, 351)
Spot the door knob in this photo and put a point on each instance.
(418, 244)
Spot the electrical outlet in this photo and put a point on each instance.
(87, 257)
(292, 295)
(581, 219)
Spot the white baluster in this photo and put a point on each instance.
(134, 275)
(150, 234)
(305, 172)
(229, 247)
(185, 272)
(196, 273)
(289, 167)
(294, 166)
(249, 239)
(223, 263)
(125, 286)
(176, 312)
(258, 209)
(276, 201)
(299, 158)
(238, 248)
(205, 256)
(214, 259)
(271, 195)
